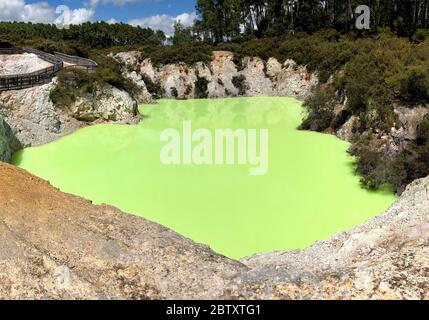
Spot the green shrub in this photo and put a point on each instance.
(174, 92)
(415, 85)
(320, 109)
(201, 87)
(240, 83)
(189, 53)
(423, 132)
(74, 82)
(154, 88)
(71, 84)
(421, 35)
(110, 71)
(371, 165)
(411, 164)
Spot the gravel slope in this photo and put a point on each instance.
(54, 245)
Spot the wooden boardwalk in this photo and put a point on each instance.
(27, 80)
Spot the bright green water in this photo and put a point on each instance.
(308, 194)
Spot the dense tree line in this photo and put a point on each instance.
(222, 20)
(92, 35)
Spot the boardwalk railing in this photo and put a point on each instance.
(28, 80)
(77, 61)
(11, 51)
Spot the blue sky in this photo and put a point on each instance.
(157, 14)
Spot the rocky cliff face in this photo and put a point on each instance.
(35, 120)
(392, 142)
(260, 78)
(8, 142)
(60, 246)
(33, 117)
(106, 104)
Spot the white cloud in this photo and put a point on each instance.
(43, 12)
(112, 21)
(76, 16)
(94, 3)
(81, 15)
(18, 10)
(165, 22)
(187, 19)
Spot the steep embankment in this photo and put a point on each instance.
(222, 77)
(56, 245)
(35, 119)
(48, 235)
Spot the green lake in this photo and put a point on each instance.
(309, 192)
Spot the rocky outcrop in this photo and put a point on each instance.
(261, 78)
(142, 96)
(131, 65)
(107, 103)
(35, 119)
(58, 246)
(392, 142)
(290, 79)
(8, 142)
(177, 81)
(346, 131)
(410, 118)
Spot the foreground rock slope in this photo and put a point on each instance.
(47, 235)
(56, 245)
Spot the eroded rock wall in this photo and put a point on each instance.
(261, 78)
(35, 120)
(391, 142)
(106, 104)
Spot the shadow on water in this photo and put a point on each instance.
(17, 158)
